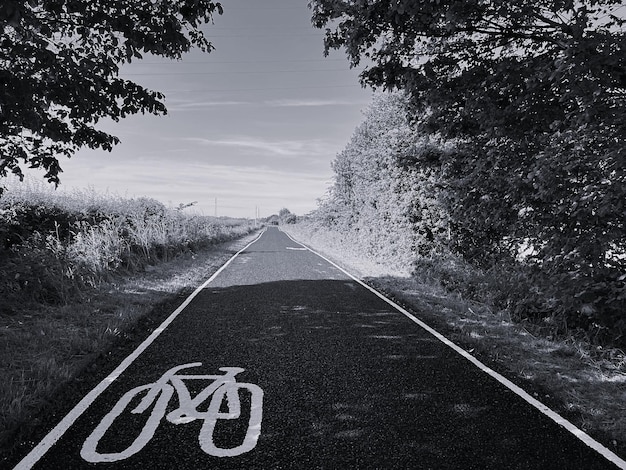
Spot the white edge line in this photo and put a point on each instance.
(553, 415)
(57, 432)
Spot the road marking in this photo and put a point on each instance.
(57, 432)
(553, 415)
(295, 248)
(160, 392)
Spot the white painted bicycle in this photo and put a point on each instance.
(158, 395)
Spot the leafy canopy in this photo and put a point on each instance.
(532, 93)
(488, 66)
(59, 65)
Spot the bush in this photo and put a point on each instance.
(53, 245)
(536, 231)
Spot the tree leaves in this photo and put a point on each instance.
(59, 64)
(534, 96)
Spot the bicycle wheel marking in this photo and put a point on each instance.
(157, 397)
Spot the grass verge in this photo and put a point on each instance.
(584, 383)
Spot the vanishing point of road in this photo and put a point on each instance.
(282, 360)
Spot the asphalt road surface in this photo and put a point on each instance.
(283, 361)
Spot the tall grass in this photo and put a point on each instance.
(54, 244)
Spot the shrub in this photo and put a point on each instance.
(53, 244)
(537, 230)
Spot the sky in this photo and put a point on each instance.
(255, 123)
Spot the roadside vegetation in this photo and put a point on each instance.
(77, 271)
(499, 166)
(56, 244)
(556, 260)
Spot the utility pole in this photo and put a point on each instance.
(215, 207)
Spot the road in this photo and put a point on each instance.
(291, 363)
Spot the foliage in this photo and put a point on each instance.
(399, 194)
(59, 70)
(393, 210)
(286, 216)
(489, 66)
(534, 90)
(53, 244)
(532, 96)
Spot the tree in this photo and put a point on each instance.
(511, 53)
(286, 216)
(59, 65)
(392, 208)
(534, 95)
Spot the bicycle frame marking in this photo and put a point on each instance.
(158, 395)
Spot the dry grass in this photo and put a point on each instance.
(85, 235)
(585, 383)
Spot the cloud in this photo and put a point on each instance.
(313, 102)
(282, 148)
(238, 189)
(186, 105)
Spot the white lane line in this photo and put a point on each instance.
(553, 415)
(57, 432)
(295, 248)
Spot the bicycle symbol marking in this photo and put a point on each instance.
(158, 395)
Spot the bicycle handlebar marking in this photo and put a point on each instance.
(159, 394)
